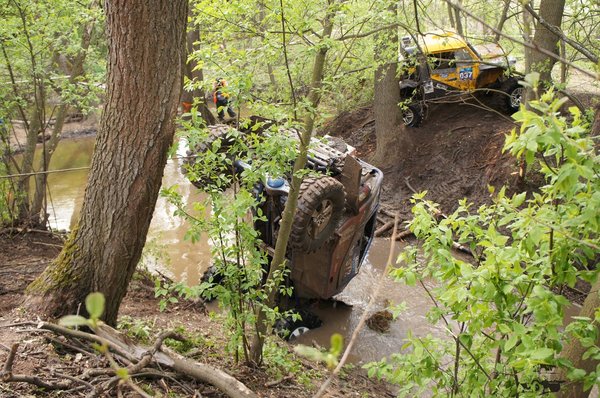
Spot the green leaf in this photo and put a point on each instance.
(73, 320)
(542, 353)
(511, 342)
(94, 304)
(122, 373)
(337, 344)
(576, 374)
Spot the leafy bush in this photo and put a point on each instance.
(503, 310)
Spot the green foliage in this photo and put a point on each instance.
(136, 328)
(94, 305)
(503, 309)
(279, 362)
(51, 61)
(236, 254)
(330, 358)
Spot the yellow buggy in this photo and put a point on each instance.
(444, 65)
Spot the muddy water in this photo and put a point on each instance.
(166, 248)
(168, 251)
(342, 316)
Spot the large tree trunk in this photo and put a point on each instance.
(146, 51)
(550, 11)
(390, 133)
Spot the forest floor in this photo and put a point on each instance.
(456, 154)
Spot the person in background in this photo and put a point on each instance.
(221, 99)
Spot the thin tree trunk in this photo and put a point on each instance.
(75, 69)
(527, 37)
(146, 54)
(37, 202)
(451, 15)
(459, 25)
(278, 262)
(193, 73)
(502, 20)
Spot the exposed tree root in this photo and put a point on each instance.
(139, 361)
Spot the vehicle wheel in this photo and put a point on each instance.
(320, 209)
(514, 95)
(289, 329)
(412, 116)
(217, 132)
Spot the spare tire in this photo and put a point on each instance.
(320, 209)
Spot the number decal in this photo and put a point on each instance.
(465, 74)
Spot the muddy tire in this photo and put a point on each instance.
(513, 95)
(289, 329)
(320, 209)
(412, 116)
(217, 132)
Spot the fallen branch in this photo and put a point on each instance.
(278, 381)
(137, 359)
(384, 228)
(404, 234)
(198, 371)
(7, 375)
(406, 181)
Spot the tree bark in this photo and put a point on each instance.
(145, 61)
(390, 133)
(193, 73)
(574, 351)
(551, 11)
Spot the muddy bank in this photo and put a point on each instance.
(24, 256)
(455, 154)
(74, 127)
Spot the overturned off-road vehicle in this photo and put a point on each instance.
(443, 66)
(335, 218)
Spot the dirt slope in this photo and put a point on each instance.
(456, 153)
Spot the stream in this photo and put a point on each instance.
(167, 250)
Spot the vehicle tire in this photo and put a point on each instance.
(412, 116)
(217, 132)
(513, 95)
(320, 209)
(289, 329)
